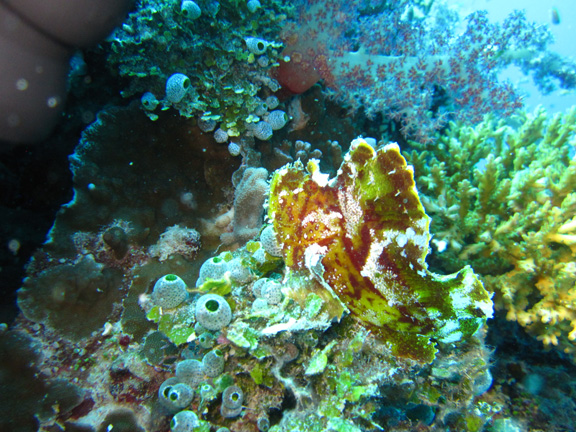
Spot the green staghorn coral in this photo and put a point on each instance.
(364, 236)
(502, 200)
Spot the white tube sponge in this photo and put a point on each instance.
(176, 87)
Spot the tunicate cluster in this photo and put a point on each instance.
(190, 9)
(256, 46)
(264, 118)
(269, 241)
(213, 312)
(220, 136)
(262, 130)
(218, 268)
(184, 421)
(175, 395)
(149, 101)
(169, 291)
(304, 151)
(232, 399)
(213, 363)
(268, 290)
(277, 119)
(176, 87)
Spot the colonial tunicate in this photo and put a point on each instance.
(176, 87)
(220, 136)
(184, 421)
(256, 45)
(190, 9)
(213, 363)
(213, 312)
(169, 291)
(262, 130)
(277, 119)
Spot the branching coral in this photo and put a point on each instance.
(502, 200)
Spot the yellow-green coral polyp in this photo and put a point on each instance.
(364, 236)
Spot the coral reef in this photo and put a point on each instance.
(207, 67)
(250, 329)
(501, 196)
(208, 276)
